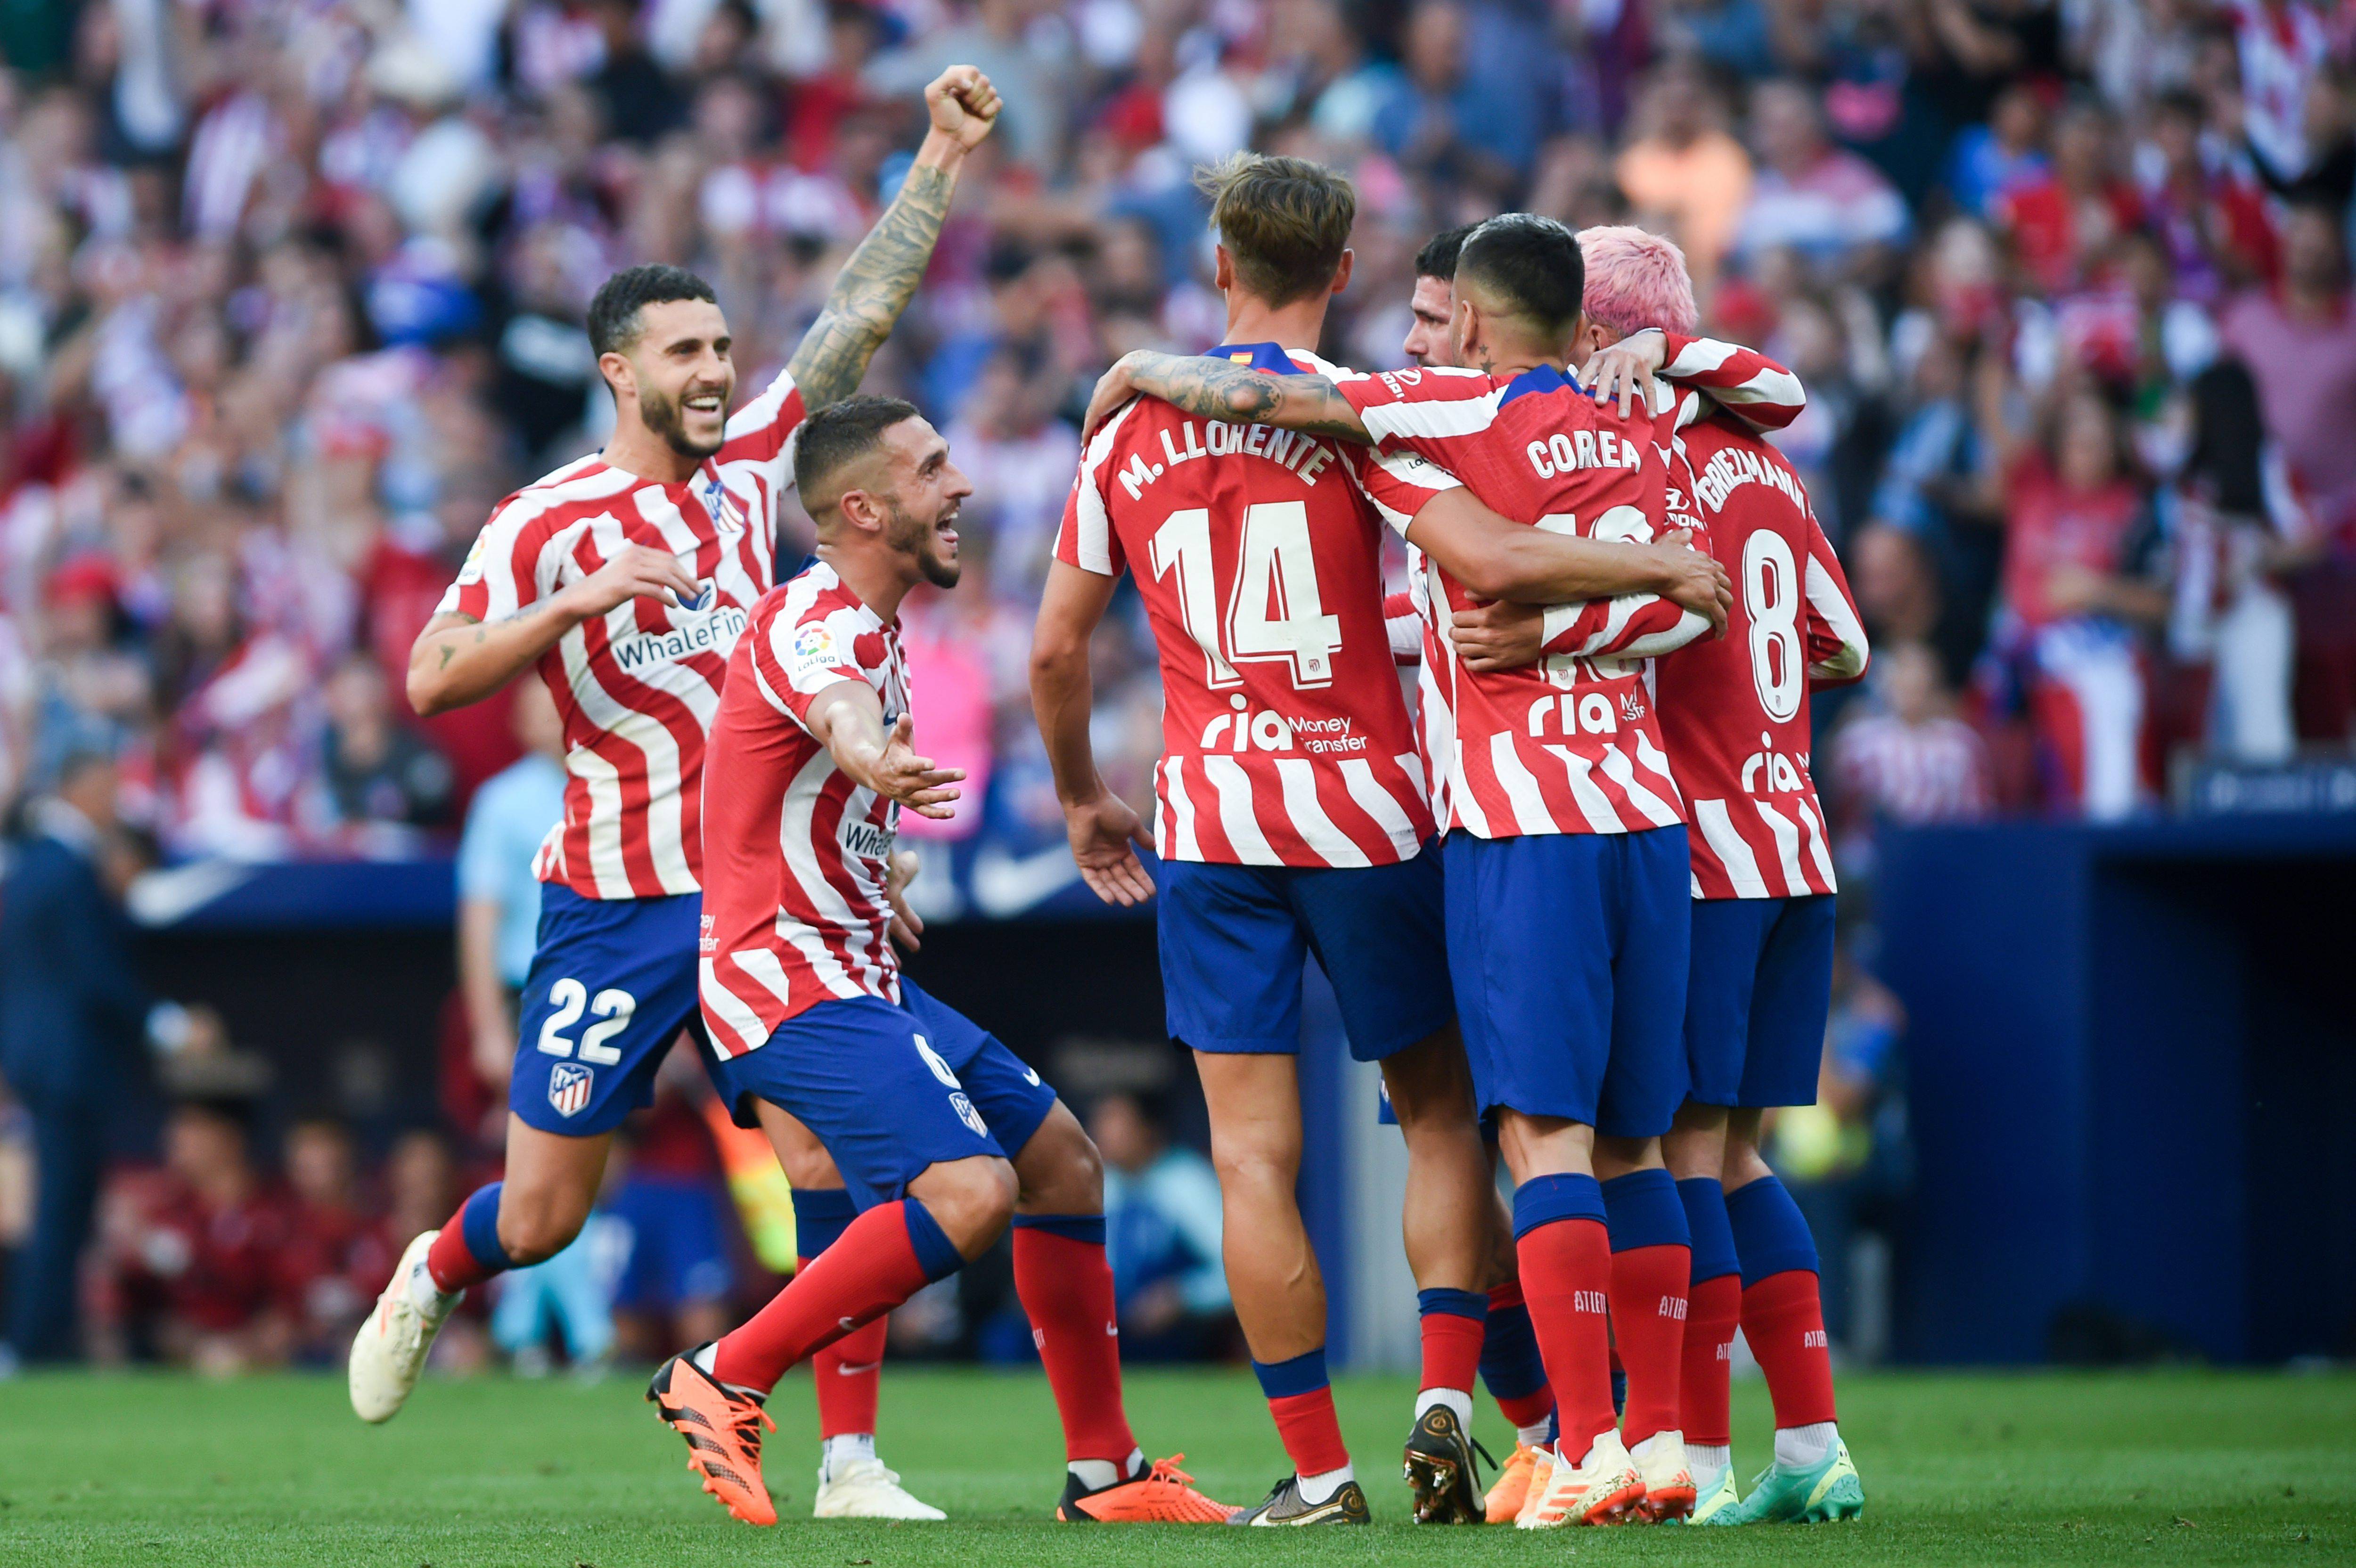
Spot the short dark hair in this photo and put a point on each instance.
(1532, 265)
(1438, 257)
(614, 313)
(1285, 222)
(840, 433)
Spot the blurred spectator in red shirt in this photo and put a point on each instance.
(337, 1254)
(198, 1266)
(2062, 225)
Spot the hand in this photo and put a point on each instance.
(1104, 833)
(1626, 368)
(1498, 635)
(1111, 393)
(898, 872)
(963, 105)
(638, 571)
(1696, 582)
(898, 774)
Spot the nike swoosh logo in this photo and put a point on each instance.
(1006, 884)
(861, 1370)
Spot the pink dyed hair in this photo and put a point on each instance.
(1637, 279)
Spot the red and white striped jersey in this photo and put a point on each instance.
(1734, 710)
(795, 911)
(637, 687)
(1285, 740)
(1570, 744)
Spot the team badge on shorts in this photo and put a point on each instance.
(569, 1088)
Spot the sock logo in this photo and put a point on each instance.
(1814, 1339)
(1588, 1301)
(1673, 1306)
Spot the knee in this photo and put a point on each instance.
(808, 1167)
(1067, 1174)
(534, 1228)
(971, 1200)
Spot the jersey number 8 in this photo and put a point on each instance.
(1771, 596)
(1275, 561)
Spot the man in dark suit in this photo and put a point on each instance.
(73, 1013)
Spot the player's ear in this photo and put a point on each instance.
(862, 509)
(1223, 270)
(1341, 274)
(620, 378)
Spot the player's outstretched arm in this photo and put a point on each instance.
(1104, 831)
(1495, 559)
(847, 719)
(880, 277)
(1221, 389)
(1743, 381)
(458, 659)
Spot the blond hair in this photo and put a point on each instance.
(1285, 222)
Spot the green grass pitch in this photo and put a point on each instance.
(2166, 1467)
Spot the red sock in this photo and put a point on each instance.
(870, 1271)
(1648, 1322)
(1451, 1349)
(1702, 1395)
(1311, 1431)
(1066, 1286)
(449, 1260)
(849, 1374)
(1566, 1268)
(1784, 1321)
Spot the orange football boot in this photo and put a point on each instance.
(1512, 1484)
(1164, 1494)
(722, 1429)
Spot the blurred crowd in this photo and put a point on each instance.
(291, 293)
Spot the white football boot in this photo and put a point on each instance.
(1602, 1491)
(389, 1352)
(864, 1488)
(1669, 1490)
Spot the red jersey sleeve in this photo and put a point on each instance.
(763, 429)
(1404, 628)
(1744, 380)
(1086, 538)
(1633, 626)
(1397, 484)
(1835, 633)
(510, 565)
(796, 657)
(1419, 411)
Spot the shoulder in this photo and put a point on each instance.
(579, 489)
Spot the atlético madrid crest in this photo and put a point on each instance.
(569, 1088)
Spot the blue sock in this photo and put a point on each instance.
(1088, 1228)
(1770, 1235)
(1303, 1373)
(1542, 1200)
(478, 1225)
(1511, 1367)
(935, 1254)
(1713, 1236)
(820, 1215)
(1644, 1212)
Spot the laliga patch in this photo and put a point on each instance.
(569, 1088)
(814, 648)
(471, 569)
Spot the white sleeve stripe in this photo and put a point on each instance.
(1358, 778)
(1468, 416)
(1236, 817)
(1824, 598)
(1092, 542)
(1787, 848)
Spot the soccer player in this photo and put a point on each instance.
(1564, 816)
(942, 1135)
(1734, 716)
(1293, 814)
(624, 579)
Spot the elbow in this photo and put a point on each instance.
(428, 696)
(1489, 574)
(1054, 658)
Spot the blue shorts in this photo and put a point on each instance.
(891, 1090)
(1757, 997)
(1233, 939)
(678, 1252)
(1568, 951)
(612, 982)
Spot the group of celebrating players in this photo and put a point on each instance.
(1502, 889)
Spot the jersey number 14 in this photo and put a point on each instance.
(1275, 566)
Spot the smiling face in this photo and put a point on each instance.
(679, 374)
(921, 496)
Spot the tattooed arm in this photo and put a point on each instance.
(877, 282)
(1219, 390)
